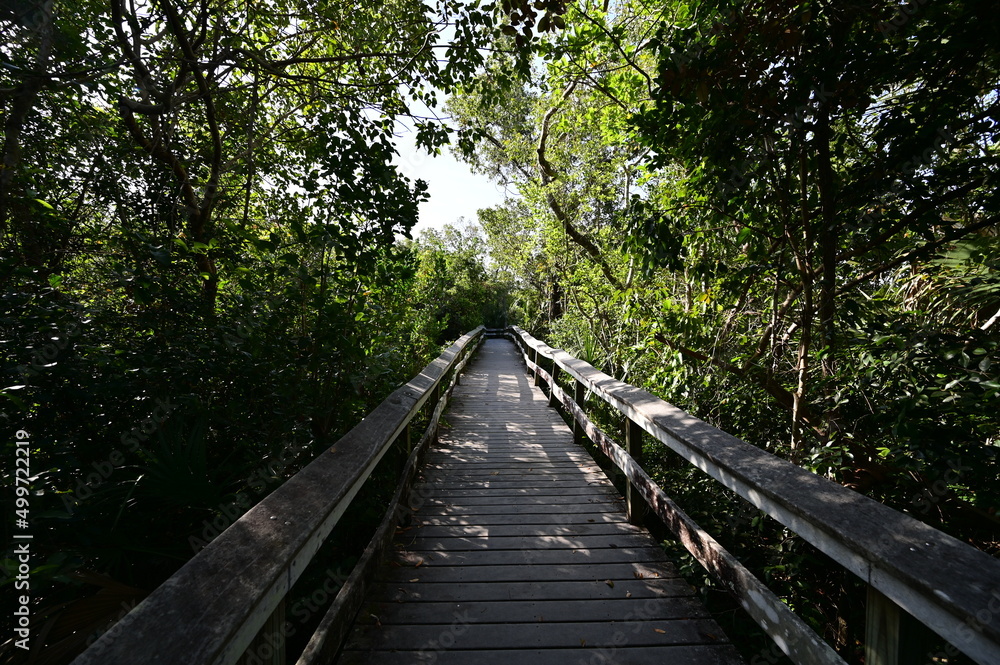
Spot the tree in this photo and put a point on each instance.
(804, 171)
(199, 209)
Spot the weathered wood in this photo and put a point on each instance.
(268, 648)
(490, 520)
(534, 543)
(514, 611)
(881, 630)
(506, 465)
(553, 383)
(542, 557)
(548, 590)
(527, 530)
(580, 398)
(535, 367)
(330, 633)
(892, 636)
(463, 530)
(490, 637)
(502, 459)
(547, 490)
(571, 572)
(790, 633)
(548, 500)
(527, 509)
(524, 482)
(633, 446)
(334, 626)
(949, 586)
(211, 609)
(722, 654)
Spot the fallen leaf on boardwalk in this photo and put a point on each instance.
(419, 563)
(612, 546)
(590, 520)
(495, 473)
(660, 631)
(638, 575)
(583, 642)
(415, 579)
(628, 594)
(610, 583)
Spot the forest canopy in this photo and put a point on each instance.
(780, 216)
(206, 266)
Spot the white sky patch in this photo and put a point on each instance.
(454, 190)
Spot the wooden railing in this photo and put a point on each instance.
(947, 585)
(230, 596)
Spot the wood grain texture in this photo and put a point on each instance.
(519, 548)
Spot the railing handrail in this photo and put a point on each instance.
(211, 609)
(949, 586)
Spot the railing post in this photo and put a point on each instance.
(268, 648)
(633, 446)
(432, 404)
(580, 397)
(553, 400)
(892, 637)
(881, 630)
(534, 359)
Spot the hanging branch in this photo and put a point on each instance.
(548, 176)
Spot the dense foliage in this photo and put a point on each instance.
(781, 216)
(204, 275)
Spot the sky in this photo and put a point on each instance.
(454, 190)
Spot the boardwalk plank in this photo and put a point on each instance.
(548, 490)
(578, 572)
(722, 654)
(531, 611)
(562, 542)
(511, 557)
(490, 520)
(588, 589)
(544, 635)
(464, 530)
(505, 509)
(518, 550)
(548, 500)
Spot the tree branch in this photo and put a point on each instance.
(548, 174)
(924, 249)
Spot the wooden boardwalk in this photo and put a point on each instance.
(520, 552)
